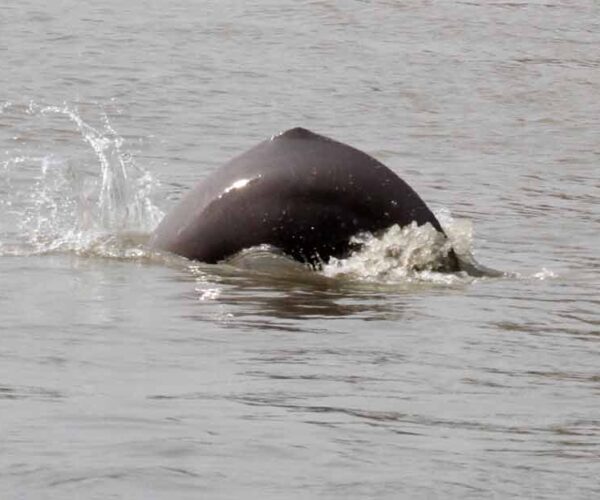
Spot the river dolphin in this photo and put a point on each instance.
(301, 192)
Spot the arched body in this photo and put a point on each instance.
(301, 192)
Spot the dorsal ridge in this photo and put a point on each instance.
(298, 133)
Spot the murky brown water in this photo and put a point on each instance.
(124, 375)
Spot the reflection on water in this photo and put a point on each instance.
(288, 291)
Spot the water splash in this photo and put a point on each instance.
(411, 254)
(415, 254)
(459, 231)
(61, 201)
(399, 254)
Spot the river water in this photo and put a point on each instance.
(127, 374)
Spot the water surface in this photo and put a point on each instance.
(124, 374)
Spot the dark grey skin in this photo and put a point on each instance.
(301, 192)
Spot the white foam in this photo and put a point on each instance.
(410, 253)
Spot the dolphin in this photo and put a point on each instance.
(301, 192)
